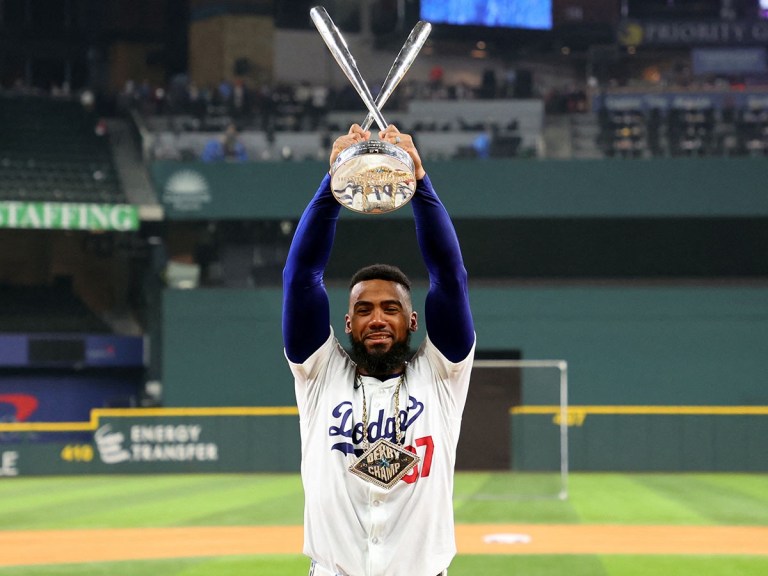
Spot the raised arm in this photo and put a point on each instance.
(447, 312)
(306, 309)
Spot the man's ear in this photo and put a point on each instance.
(414, 323)
(347, 324)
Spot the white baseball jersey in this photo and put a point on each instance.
(351, 526)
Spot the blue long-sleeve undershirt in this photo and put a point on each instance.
(446, 309)
(306, 309)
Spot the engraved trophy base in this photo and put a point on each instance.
(373, 177)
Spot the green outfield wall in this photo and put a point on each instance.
(672, 349)
(642, 438)
(126, 441)
(676, 217)
(266, 439)
(494, 188)
(652, 345)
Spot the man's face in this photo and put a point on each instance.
(380, 316)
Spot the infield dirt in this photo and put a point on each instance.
(75, 546)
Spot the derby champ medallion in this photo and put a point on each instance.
(384, 464)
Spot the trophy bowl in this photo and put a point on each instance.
(373, 177)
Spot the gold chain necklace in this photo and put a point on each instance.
(396, 414)
(384, 463)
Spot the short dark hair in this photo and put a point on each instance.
(381, 272)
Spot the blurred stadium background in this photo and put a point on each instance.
(604, 162)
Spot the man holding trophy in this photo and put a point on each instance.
(379, 424)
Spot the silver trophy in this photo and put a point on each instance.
(372, 177)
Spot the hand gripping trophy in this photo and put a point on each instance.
(372, 177)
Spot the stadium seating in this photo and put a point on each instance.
(51, 151)
(637, 133)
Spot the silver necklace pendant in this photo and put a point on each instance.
(384, 464)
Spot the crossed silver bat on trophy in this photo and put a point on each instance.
(372, 177)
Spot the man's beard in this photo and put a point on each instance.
(381, 363)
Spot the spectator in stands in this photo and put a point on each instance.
(318, 106)
(436, 78)
(225, 148)
(240, 105)
(488, 84)
(482, 145)
(196, 101)
(224, 92)
(484, 141)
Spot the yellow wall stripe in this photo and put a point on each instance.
(584, 410)
(653, 410)
(98, 413)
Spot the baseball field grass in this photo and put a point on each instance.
(659, 524)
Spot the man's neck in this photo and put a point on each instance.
(384, 377)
